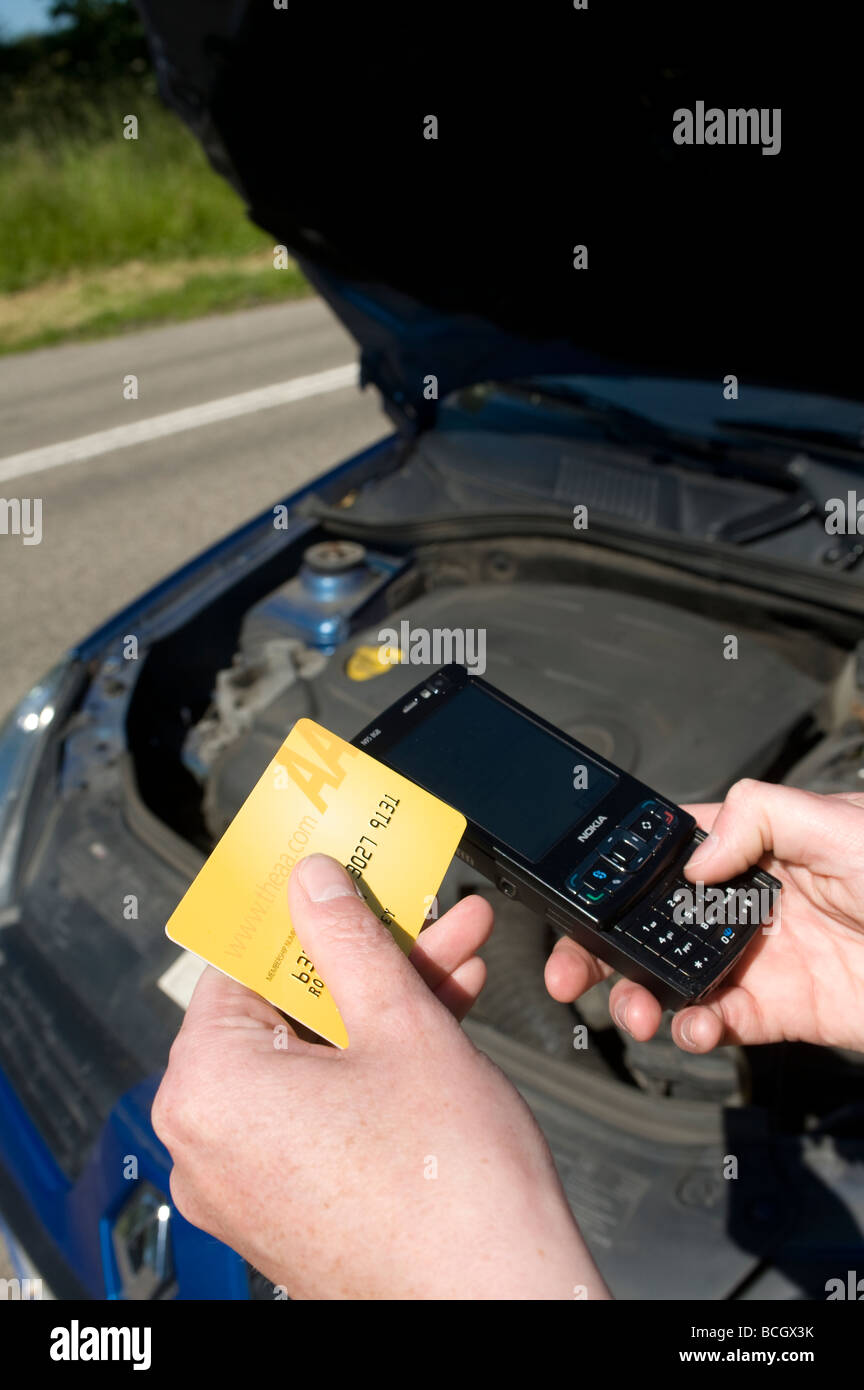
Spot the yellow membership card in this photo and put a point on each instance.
(319, 795)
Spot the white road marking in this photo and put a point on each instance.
(87, 446)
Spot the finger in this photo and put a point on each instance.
(460, 990)
(452, 940)
(758, 818)
(218, 1000)
(368, 975)
(635, 1010)
(698, 1029)
(571, 971)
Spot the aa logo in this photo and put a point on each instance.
(322, 769)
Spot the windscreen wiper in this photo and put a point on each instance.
(631, 427)
(839, 444)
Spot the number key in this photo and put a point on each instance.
(655, 932)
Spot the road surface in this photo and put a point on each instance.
(122, 517)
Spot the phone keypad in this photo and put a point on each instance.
(692, 958)
(653, 930)
(688, 938)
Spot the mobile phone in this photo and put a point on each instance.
(599, 854)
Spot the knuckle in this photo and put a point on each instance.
(184, 1198)
(172, 1114)
(743, 791)
(178, 1054)
(163, 1114)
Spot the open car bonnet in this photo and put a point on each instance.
(507, 199)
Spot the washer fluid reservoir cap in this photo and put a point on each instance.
(332, 569)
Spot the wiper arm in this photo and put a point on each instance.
(628, 426)
(767, 521)
(831, 443)
(633, 428)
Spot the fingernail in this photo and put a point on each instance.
(687, 1031)
(321, 879)
(621, 1016)
(707, 848)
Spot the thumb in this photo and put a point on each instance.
(368, 975)
(799, 827)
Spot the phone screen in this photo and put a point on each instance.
(524, 786)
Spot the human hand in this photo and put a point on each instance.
(804, 979)
(406, 1166)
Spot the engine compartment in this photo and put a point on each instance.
(684, 682)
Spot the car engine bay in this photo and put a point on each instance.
(607, 656)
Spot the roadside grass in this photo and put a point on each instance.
(93, 304)
(102, 234)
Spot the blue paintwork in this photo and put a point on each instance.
(78, 1217)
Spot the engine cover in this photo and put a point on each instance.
(642, 683)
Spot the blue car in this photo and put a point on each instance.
(608, 517)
